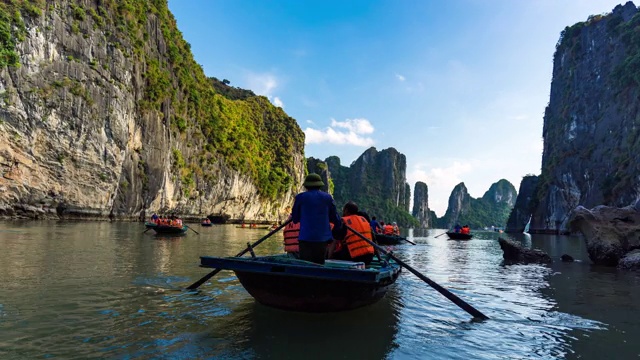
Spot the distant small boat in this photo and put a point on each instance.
(382, 239)
(205, 224)
(286, 283)
(458, 236)
(165, 229)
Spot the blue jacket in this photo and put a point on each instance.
(375, 225)
(314, 210)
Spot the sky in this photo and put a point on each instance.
(457, 86)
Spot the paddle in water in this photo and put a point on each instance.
(197, 284)
(449, 295)
(190, 228)
(440, 235)
(409, 241)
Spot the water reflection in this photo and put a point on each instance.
(106, 290)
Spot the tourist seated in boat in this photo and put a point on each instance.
(396, 229)
(155, 218)
(348, 245)
(375, 225)
(457, 228)
(465, 230)
(206, 221)
(290, 234)
(314, 210)
(387, 229)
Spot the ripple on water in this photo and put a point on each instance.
(131, 306)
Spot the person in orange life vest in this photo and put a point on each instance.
(350, 246)
(387, 229)
(465, 230)
(290, 234)
(396, 229)
(314, 210)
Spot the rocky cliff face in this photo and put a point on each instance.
(376, 181)
(501, 192)
(421, 210)
(104, 113)
(591, 126)
(320, 167)
(490, 210)
(521, 212)
(459, 204)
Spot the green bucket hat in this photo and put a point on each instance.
(313, 180)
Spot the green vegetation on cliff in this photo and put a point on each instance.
(367, 190)
(210, 121)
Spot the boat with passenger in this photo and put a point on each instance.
(287, 283)
(458, 236)
(383, 239)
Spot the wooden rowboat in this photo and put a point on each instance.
(164, 229)
(459, 236)
(287, 283)
(382, 239)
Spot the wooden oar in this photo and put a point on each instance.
(440, 235)
(409, 241)
(197, 284)
(147, 230)
(449, 295)
(188, 227)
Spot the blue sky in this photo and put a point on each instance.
(459, 87)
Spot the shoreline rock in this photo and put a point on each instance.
(514, 253)
(609, 232)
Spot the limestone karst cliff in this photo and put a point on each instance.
(104, 112)
(421, 210)
(490, 210)
(376, 181)
(521, 212)
(321, 168)
(592, 123)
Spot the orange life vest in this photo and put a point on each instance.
(291, 232)
(355, 244)
(464, 230)
(388, 230)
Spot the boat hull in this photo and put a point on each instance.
(309, 288)
(459, 236)
(169, 230)
(206, 224)
(382, 239)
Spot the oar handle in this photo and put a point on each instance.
(197, 284)
(448, 294)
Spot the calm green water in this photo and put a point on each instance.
(106, 290)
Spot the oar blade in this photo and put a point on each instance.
(197, 284)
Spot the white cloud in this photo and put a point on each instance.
(277, 102)
(400, 77)
(262, 84)
(358, 126)
(355, 129)
(440, 181)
